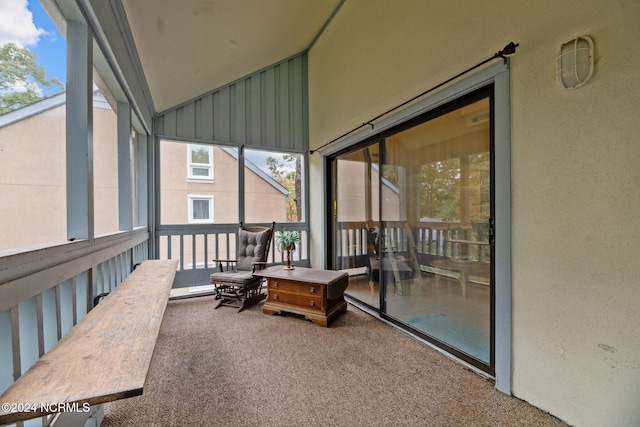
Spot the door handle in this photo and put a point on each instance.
(492, 231)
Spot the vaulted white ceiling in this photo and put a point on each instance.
(190, 47)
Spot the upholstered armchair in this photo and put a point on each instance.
(235, 282)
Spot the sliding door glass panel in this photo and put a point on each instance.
(435, 254)
(356, 222)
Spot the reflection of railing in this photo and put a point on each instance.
(351, 244)
(439, 239)
(451, 240)
(195, 245)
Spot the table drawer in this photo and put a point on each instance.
(310, 289)
(297, 300)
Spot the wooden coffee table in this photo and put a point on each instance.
(316, 294)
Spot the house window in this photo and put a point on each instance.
(200, 162)
(200, 209)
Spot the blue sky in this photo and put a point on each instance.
(25, 23)
(50, 49)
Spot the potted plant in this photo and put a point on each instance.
(286, 241)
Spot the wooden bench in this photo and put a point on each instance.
(105, 357)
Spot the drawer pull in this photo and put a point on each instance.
(275, 296)
(313, 303)
(275, 284)
(312, 290)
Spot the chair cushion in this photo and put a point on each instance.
(234, 276)
(252, 246)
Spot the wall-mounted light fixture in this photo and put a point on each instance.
(575, 62)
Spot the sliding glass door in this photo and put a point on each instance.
(412, 223)
(356, 212)
(438, 232)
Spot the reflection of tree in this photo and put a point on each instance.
(288, 173)
(200, 154)
(479, 181)
(440, 190)
(390, 172)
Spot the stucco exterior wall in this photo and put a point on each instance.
(105, 170)
(32, 181)
(33, 178)
(352, 199)
(575, 193)
(176, 187)
(265, 202)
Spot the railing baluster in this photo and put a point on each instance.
(98, 271)
(115, 275)
(107, 275)
(181, 252)
(65, 306)
(49, 320)
(111, 269)
(82, 296)
(118, 267)
(194, 264)
(40, 325)
(58, 312)
(217, 238)
(15, 342)
(206, 250)
(6, 350)
(28, 333)
(115, 272)
(74, 300)
(104, 281)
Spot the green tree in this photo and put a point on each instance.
(21, 78)
(291, 179)
(440, 190)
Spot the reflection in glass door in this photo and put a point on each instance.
(411, 222)
(356, 220)
(437, 232)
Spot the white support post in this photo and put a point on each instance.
(502, 279)
(79, 127)
(142, 180)
(125, 168)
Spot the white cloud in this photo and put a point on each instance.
(22, 86)
(16, 24)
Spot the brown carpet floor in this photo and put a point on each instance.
(223, 368)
